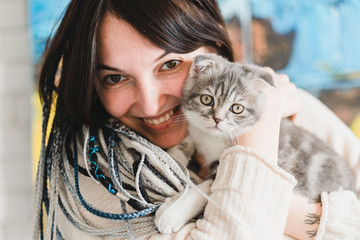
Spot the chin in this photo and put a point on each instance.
(165, 143)
(169, 140)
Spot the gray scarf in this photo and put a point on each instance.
(141, 174)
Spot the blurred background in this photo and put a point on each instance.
(315, 42)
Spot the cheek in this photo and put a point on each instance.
(177, 86)
(117, 104)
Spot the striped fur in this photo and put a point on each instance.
(213, 127)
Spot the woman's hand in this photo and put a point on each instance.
(289, 99)
(281, 101)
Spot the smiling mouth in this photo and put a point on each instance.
(163, 118)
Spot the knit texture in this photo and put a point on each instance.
(253, 193)
(340, 216)
(119, 167)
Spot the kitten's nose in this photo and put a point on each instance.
(217, 120)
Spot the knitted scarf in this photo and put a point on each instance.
(139, 173)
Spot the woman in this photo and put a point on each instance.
(103, 172)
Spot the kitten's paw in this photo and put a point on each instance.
(169, 217)
(176, 211)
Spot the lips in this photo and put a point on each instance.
(161, 121)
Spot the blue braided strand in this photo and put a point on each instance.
(112, 216)
(96, 170)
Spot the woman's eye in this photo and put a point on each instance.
(113, 79)
(237, 108)
(207, 100)
(170, 64)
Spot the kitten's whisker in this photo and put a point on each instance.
(232, 134)
(236, 136)
(179, 119)
(179, 116)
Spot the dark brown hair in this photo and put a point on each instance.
(179, 26)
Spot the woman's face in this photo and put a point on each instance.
(139, 84)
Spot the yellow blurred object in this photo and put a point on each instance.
(37, 121)
(36, 129)
(355, 125)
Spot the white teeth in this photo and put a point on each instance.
(162, 119)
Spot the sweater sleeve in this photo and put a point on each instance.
(253, 195)
(340, 216)
(252, 199)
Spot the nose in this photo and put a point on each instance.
(150, 96)
(217, 116)
(217, 120)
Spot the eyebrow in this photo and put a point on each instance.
(163, 55)
(105, 67)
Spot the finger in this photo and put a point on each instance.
(281, 79)
(292, 102)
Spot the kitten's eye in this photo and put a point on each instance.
(207, 100)
(170, 64)
(237, 108)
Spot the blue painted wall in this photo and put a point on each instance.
(44, 16)
(326, 47)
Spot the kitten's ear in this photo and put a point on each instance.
(203, 64)
(259, 72)
(258, 84)
(267, 77)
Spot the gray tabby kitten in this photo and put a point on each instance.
(222, 100)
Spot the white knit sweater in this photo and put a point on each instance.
(258, 193)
